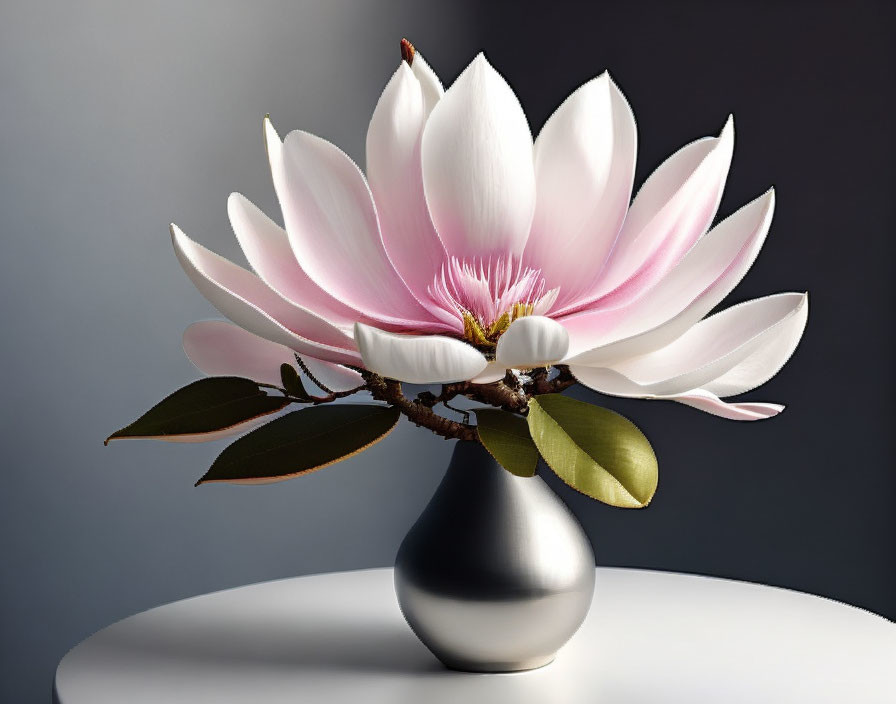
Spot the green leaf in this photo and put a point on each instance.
(594, 450)
(292, 382)
(301, 442)
(506, 437)
(203, 407)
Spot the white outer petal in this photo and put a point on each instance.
(707, 352)
(477, 166)
(673, 209)
(532, 341)
(243, 298)
(705, 401)
(492, 373)
(267, 248)
(612, 383)
(584, 167)
(706, 274)
(716, 345)
(429, 83)
(332, 227)
(396, 181)
(765, 362)
(418, 359)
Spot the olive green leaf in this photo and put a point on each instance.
(594, 450)
(201, 408)
(506, 437)
(301, 442)
(292, 382)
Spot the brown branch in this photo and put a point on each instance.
(416, 411)
(499, 394)
(506, 394)
(540, 383)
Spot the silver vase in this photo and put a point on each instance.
(497, 573)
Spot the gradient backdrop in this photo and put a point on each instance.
(118, 117)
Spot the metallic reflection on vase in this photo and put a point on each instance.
(497, 573)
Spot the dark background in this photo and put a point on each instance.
(119, 117)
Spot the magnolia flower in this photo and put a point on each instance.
(468, 250)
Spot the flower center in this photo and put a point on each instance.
(488, 295)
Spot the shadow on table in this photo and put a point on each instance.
(239, 643)
(276, 650)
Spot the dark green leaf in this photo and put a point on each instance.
(301, 442)
(594, 450)
(203, 407)
(506, 437)
(292, 382)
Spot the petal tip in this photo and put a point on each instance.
(235, 200)
(270, 132)
(727, 133)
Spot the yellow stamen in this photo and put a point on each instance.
(476, 333)
(499, 326)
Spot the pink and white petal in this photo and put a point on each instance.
(243, 298)
(478, 174)
(532, 341)
(584, 167)
(670, 213)
(396, 181)
(494, 371)
(700, 281)
(429, 83)
(334, 377)
(333, 230)
(705, 401)
(612, 383)
(765, 362)
(219, 348)
(267, 248)
(713, 347)
(418, 359)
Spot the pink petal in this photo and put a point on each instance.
(703, 400)
(670, 213)
(247, 301)
(334, 377)
(396, 180)
(613, 383)
(333, 230)
(704, 276)
(266, 246)
(477, 166)
(219, 348)
(584, 166)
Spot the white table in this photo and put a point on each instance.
(650, 637)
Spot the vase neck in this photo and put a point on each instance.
(471, 455)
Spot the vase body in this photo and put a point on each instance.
(497, 573)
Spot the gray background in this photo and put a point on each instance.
(120, 117)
